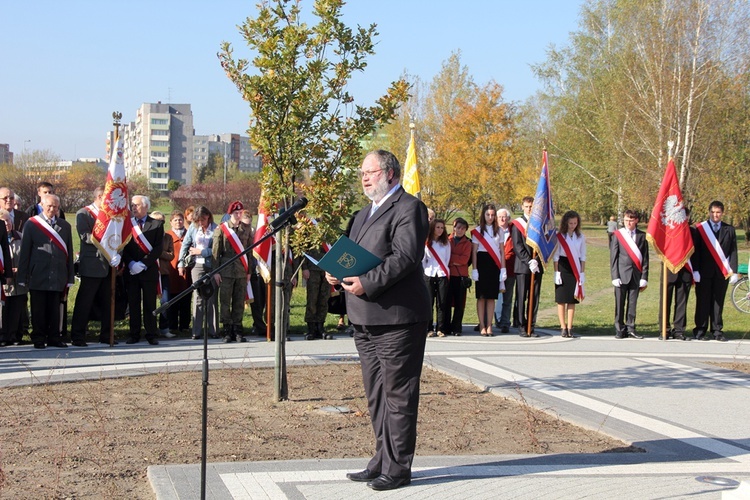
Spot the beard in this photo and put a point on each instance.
(377, 191)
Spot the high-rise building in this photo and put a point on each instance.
(158, 144)
(6, 156)
(232, 148)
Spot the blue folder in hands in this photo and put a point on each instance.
(346, 258)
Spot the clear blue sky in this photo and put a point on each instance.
(68, 64)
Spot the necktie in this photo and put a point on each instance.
(140, 223)
(632, 235)
(49, 221)
(716, 228)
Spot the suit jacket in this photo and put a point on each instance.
(19, 219)
(704, 262)
(524, 252)
(153, 230)
(8, 263)
(395, 293)
(34, 210)
(42, 265)
(622, 266)
(91, 263)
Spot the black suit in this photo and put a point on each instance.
(48, 271)
(143, 285)
(524, 253)
(19, 219)
(96, 284)
(712, 288)
(623, 268)
(678, 286)
(390, 321)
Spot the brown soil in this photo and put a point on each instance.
(737, 366)
(95, 439)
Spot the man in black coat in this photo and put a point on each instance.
(96, 280)
(628, 259)
(141, 256)
(716, 268)
(678, 289)
(524, 267)
(7, 201)
(46, 266)
(389, 307)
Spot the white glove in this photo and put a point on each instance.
(503, 275)
(616, 283)
(696, 276)
(533, 266)
(583, 279)
(643, 284)
(115, 261)
(474, 275)
(558, 278)
(136, 267)
(733, 279)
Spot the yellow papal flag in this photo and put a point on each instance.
(411, 174)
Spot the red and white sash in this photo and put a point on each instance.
(237, 245)
(704, 229)
(440, 262)
(575, 264)
(2, 271)
(520, 224)
(623, 236)
(56, 239)
(488, 245)
(92, 210)
(140, 238)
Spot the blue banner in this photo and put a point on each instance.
(541, 231)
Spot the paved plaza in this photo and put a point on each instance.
(690, 416)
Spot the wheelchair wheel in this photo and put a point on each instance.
(741, 295)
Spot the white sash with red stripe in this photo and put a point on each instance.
(440, 262)
(140, 238)
(704, 229)
(57, 240)
(489, 245)
(92, 210)
(520, 224)
(237, 245)
(623, 236)
(575, 264)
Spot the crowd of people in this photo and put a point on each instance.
(38, 263)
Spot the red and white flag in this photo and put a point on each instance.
(668, 228)
(262, 252)
(113, 226)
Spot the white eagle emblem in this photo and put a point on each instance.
(673, 212)
(117, 200)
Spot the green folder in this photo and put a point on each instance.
(346, 258)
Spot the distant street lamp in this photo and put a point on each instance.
(24, 146)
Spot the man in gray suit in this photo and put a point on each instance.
(7, 201)
(46, 266)
(96, 283)
(389, 307)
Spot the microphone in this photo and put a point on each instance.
(283, 218)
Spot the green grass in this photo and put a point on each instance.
(594, 316)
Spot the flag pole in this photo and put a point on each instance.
(117, 116)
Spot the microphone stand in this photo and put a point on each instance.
(205, 287)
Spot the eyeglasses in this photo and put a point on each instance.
(368, 173)
(6, 198)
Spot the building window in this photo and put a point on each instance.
(159, 121)
(160, 143)
(159, 132)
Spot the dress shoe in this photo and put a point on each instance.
(362, 476)
(57, 343)
(504, 329)
(132, 340)
(721, 338)
(39, 345)
(5, 344)
(79, 343)
(197, 337)
(476, 328)
(103, 340)
(384, 482)
(679, 336)
(635, 335)
(152, 341)
(619, 336)
(699, 336)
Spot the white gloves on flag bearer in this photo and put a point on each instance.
(558, 278)
(115, 261)
(503, 275)
(475, 275)
(533, 266)
(136, 267)
(733, 279)
(616, 283)
(696, 276)
(643, 284)
(583, 279)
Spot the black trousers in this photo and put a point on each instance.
(45, 316)
(142, 291)
(456, 299)
(12, 314)
(709, 304)
(438, 289)
(93, 292)
(523, 285)
(391, 357)
(680, 292)
(625, 313)
(258, 305)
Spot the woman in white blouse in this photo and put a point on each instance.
(570, 262)
(437, 255)
(488, 273)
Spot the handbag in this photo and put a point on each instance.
(466, 282)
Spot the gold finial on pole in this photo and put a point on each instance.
(116, 116)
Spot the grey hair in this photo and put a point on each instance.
(387, 162)
(145, 200)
